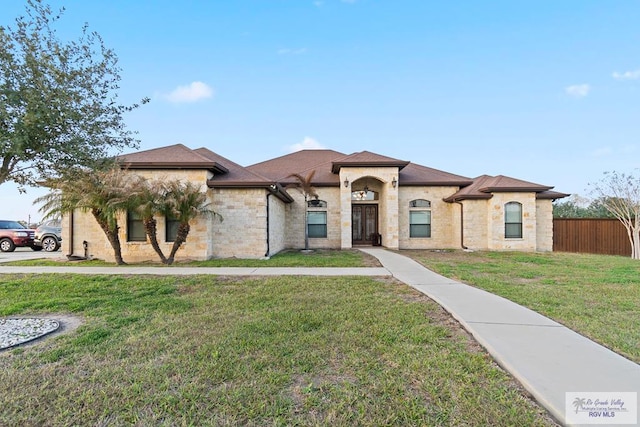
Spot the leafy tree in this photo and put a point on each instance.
(305, 186)
(185, 202)
(58, 100)
(102, 192)
(580, 207)
(619, 193)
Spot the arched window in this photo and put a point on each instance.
(513, 220)
(317, 218)
(420, 218)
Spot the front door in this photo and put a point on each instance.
(364, 224)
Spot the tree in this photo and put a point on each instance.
(101, 192)
(619, 193)
(148, 199)
(580, 207)
(184, 202)
(305, 186)
(58, 100)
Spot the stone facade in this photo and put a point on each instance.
(544, 225)
(262, 219)
(445, 219)
(243, 231)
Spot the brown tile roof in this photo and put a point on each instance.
(172, 157)
(274, 174)
(484, 185)
(367, 159)
(240, 177)
(327, 164)
(415, 175)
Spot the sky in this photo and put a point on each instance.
(545, 91)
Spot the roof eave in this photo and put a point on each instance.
(454, 198)
(212, 166)
(514, 189)
(336, 166)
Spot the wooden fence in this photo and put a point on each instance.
(590, 235)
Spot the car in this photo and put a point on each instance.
(13, 234)
(48, 236)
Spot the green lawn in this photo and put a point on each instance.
(292, 258)
(595, 295)
(205, 350)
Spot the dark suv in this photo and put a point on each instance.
(13, 234)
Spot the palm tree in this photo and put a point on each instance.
(185, 201)
(101, 192)
(305, 186)
(148, 199)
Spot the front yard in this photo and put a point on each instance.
(206, 350)
(595, 295)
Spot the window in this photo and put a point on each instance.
(419, 218)
(513, 220)
(171, 228)
(317, 218)
(135, 227)
(364, 195)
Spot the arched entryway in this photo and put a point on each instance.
(365, 212)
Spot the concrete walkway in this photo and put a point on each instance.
(546, 357)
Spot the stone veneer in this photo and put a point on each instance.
(377, 179)
(243, 231)
(445, 218)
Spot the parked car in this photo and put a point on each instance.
(13, 234)
(48, 236)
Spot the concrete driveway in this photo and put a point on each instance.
(26, 253)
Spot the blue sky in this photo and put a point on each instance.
(546, 91)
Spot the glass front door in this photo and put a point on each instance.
(364, 224)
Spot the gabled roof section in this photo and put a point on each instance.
(484, 185)
(367, 159)
(172, 157)
(299, 162)
(240, 177)
(418, 175)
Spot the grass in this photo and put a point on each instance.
(595, 295)
(292, 258)
(206, 350)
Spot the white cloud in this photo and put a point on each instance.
(190, 93)
(287, 51)
(627, 75)
(578, 91)
(307, 143)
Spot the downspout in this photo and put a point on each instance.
(70, 254)
(461, 224)
(266, 255)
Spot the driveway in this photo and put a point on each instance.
(21, 254)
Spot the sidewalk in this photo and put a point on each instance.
(546, 357)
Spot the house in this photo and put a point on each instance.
(363, 199)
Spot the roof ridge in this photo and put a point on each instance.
(236, 164)
(294, 152)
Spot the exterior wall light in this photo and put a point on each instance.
(346, 182)
(394, 182)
